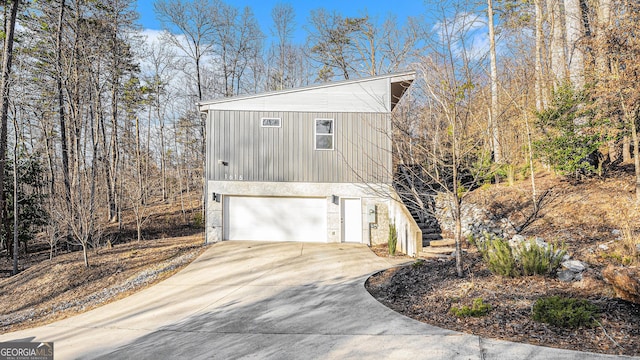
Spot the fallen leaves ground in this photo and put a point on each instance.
(426, 293)
(51, 290)
(596, 220)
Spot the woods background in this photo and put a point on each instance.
(97, 119)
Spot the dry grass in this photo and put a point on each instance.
(598, 219)
(59, 288)
(49, 290)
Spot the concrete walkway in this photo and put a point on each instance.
(268, 300)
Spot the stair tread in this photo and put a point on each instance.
(438, 250)
(427, 255)
(431, 236)
(443, 242)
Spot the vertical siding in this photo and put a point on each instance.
(361, 147)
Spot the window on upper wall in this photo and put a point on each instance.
(270, 122)
(324, 134)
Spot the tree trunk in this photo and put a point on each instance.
(457, 235)
(493, 114)
(575, 31)
(5, 83)
(139, 163)
(534, 195)
(115, 158)
(163, 161)
(64, 145)
(538, 56)
(148, 155)
(85, 255)
(557, 48)
(15, 201)
(626, 149)
(455, 197)
(636, 154)
(604, 21)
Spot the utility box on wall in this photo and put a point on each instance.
(371, 214)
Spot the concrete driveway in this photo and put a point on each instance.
(268, 300)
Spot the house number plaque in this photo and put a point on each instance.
(233, 177)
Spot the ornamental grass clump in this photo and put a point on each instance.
(536, 259)
(498, 256)
(393, 239)
(528, 258)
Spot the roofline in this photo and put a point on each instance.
(404, 76)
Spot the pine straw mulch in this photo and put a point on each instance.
(581, 216)
(427, 291)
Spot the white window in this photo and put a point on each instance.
(324, 134)
(270, 122)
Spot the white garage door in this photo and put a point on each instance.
(275, 219)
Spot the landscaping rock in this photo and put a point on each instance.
(477, 222)
(604, 247)
(566, 275)
(574, 265)
(540, 242)
(571, 270)
(625, 281)
(516, 241)
(617, 233)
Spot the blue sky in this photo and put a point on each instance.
(262, 10)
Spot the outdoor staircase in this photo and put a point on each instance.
(438, 249)
(419, 199)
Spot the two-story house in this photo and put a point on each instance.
(310, 164)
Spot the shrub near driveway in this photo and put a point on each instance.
(527, 258)
(565, 312)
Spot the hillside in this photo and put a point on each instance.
(49, 290)
(598, 223)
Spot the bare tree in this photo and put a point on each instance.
(447, 155)
(283, 17)
(575, 41)
(238, 41)
(163, 63)
(493, 111)
(197, 22)
(5, 85)
(618, 90)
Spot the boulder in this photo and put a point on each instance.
(516, 240)
(566, 275)
(571, 270)
(574, 265)
(625, 281)
(541, 243)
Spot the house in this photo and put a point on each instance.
(311, 164)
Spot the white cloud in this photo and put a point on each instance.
(466, 33)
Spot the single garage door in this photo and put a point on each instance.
(275, 218)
